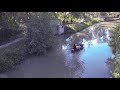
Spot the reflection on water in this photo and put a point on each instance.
(61, 62)
(89, 62)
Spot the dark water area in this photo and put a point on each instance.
(62, 63)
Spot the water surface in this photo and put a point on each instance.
(62, 63)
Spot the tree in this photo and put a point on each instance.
(115, 43)
(39, 35)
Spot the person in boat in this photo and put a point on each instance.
(76, 46)
(81, 45)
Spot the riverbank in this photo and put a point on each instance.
(8, 59)
(50, 65)
(11, 54)
(73, 28)
(114, 62)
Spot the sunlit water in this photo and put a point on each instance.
(91, 61)
(62, 63)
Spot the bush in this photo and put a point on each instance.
(10, 57)
(8, 26)
(115, 65)
(39, 36)
(7, 34)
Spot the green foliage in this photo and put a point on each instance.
(39, 36)
(8, 20)
(115, 39)
(64, 16)
(8, 26)
(115, 66)
(7, 34)
(11, 56)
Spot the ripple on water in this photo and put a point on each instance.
(90, 62)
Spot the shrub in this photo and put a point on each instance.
(115, 65)
(39, 36)
(8, 34)
(5, 34)
(10, 57)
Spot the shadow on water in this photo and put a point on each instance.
(62, 63)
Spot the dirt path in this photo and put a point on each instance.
(14, 41)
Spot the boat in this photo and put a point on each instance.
(74, 50)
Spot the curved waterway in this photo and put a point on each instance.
(62, 63)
